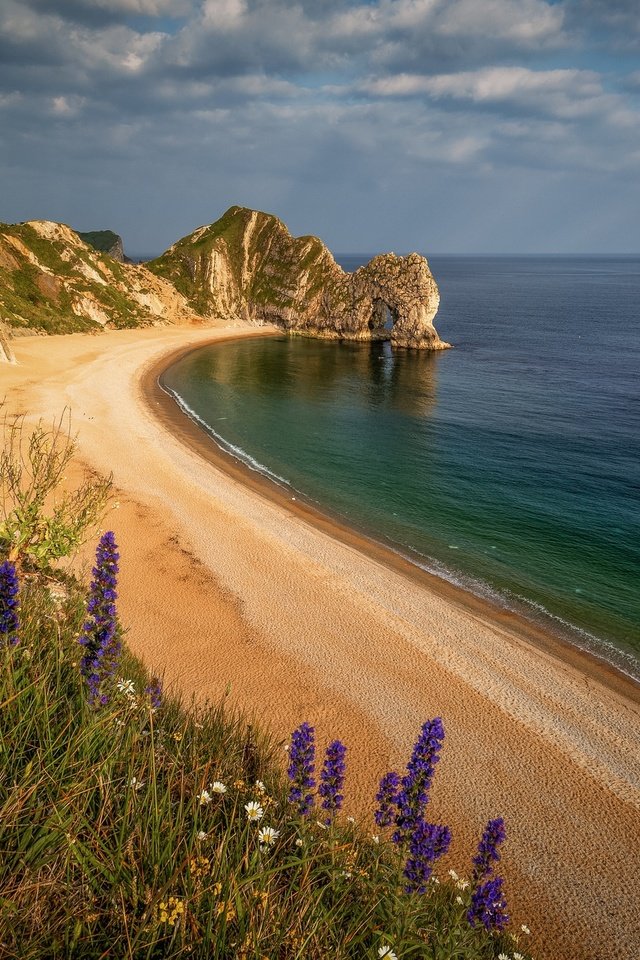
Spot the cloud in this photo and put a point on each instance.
(608, 23)
(360, 110)
(96, 12)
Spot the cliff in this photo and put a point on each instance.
(106, 241)
(246, 266)
(53, 282)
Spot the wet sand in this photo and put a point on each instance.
(227, 583)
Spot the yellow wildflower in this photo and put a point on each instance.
(226, 907)
(170, 910)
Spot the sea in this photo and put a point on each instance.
(508, 465)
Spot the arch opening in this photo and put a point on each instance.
(383, 319)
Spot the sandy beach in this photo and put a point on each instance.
(227, 584)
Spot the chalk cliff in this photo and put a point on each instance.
(246, 266)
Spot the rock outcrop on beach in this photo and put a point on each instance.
(53, 282)
(246, 266)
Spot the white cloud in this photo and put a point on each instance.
(527, 22)
(67, 106)
(224, 14)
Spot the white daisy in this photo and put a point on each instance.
(299, 842)
(217, 787)
(254, 810)
(136, 784)
(260, 787)
(126, 686)
(202, 835)
(268, 836)
(204, 797)
(387, 953)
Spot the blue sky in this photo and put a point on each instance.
(486, 126)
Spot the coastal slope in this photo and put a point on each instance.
(51, 281)
(247, 267)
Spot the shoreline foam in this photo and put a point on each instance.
(221, 585)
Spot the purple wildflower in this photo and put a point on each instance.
(427, 843)
(488, 906)
(8, 603)
(154, 691)
(386, 797)
(301, 768)
(332, 778)
(99, 632)
(413, 795)
(493, 836)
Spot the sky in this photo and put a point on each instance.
(442, 126)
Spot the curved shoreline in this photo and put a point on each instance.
(184, 428)
(222, 588)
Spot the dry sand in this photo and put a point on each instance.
(224, 584)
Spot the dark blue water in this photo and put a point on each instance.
(509, 465)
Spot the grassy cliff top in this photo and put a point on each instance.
(102, 240)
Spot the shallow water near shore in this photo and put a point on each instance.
(509, 465)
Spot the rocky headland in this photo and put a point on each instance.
(106, 241)
(246, 267)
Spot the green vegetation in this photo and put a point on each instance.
(43, 284)
(102, 240)
(144, 828)
(39, 522)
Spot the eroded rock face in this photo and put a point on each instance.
(247, 266)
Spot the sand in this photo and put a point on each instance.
(229, 587)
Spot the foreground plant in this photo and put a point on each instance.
(8, 603)
(488, 904)
(149, 831)
(100, 630)
(40, 522)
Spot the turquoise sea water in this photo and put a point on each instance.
(509, 465)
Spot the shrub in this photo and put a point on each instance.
(40, 521)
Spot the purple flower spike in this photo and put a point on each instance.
(99, 632)
(488, 906)
(413, 796)
(427, 843)
(386, 797)
(301, 768)
(154, 691)
(332, 778)
(8, 603)
(494, 834)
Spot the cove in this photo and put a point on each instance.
(499, 469)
